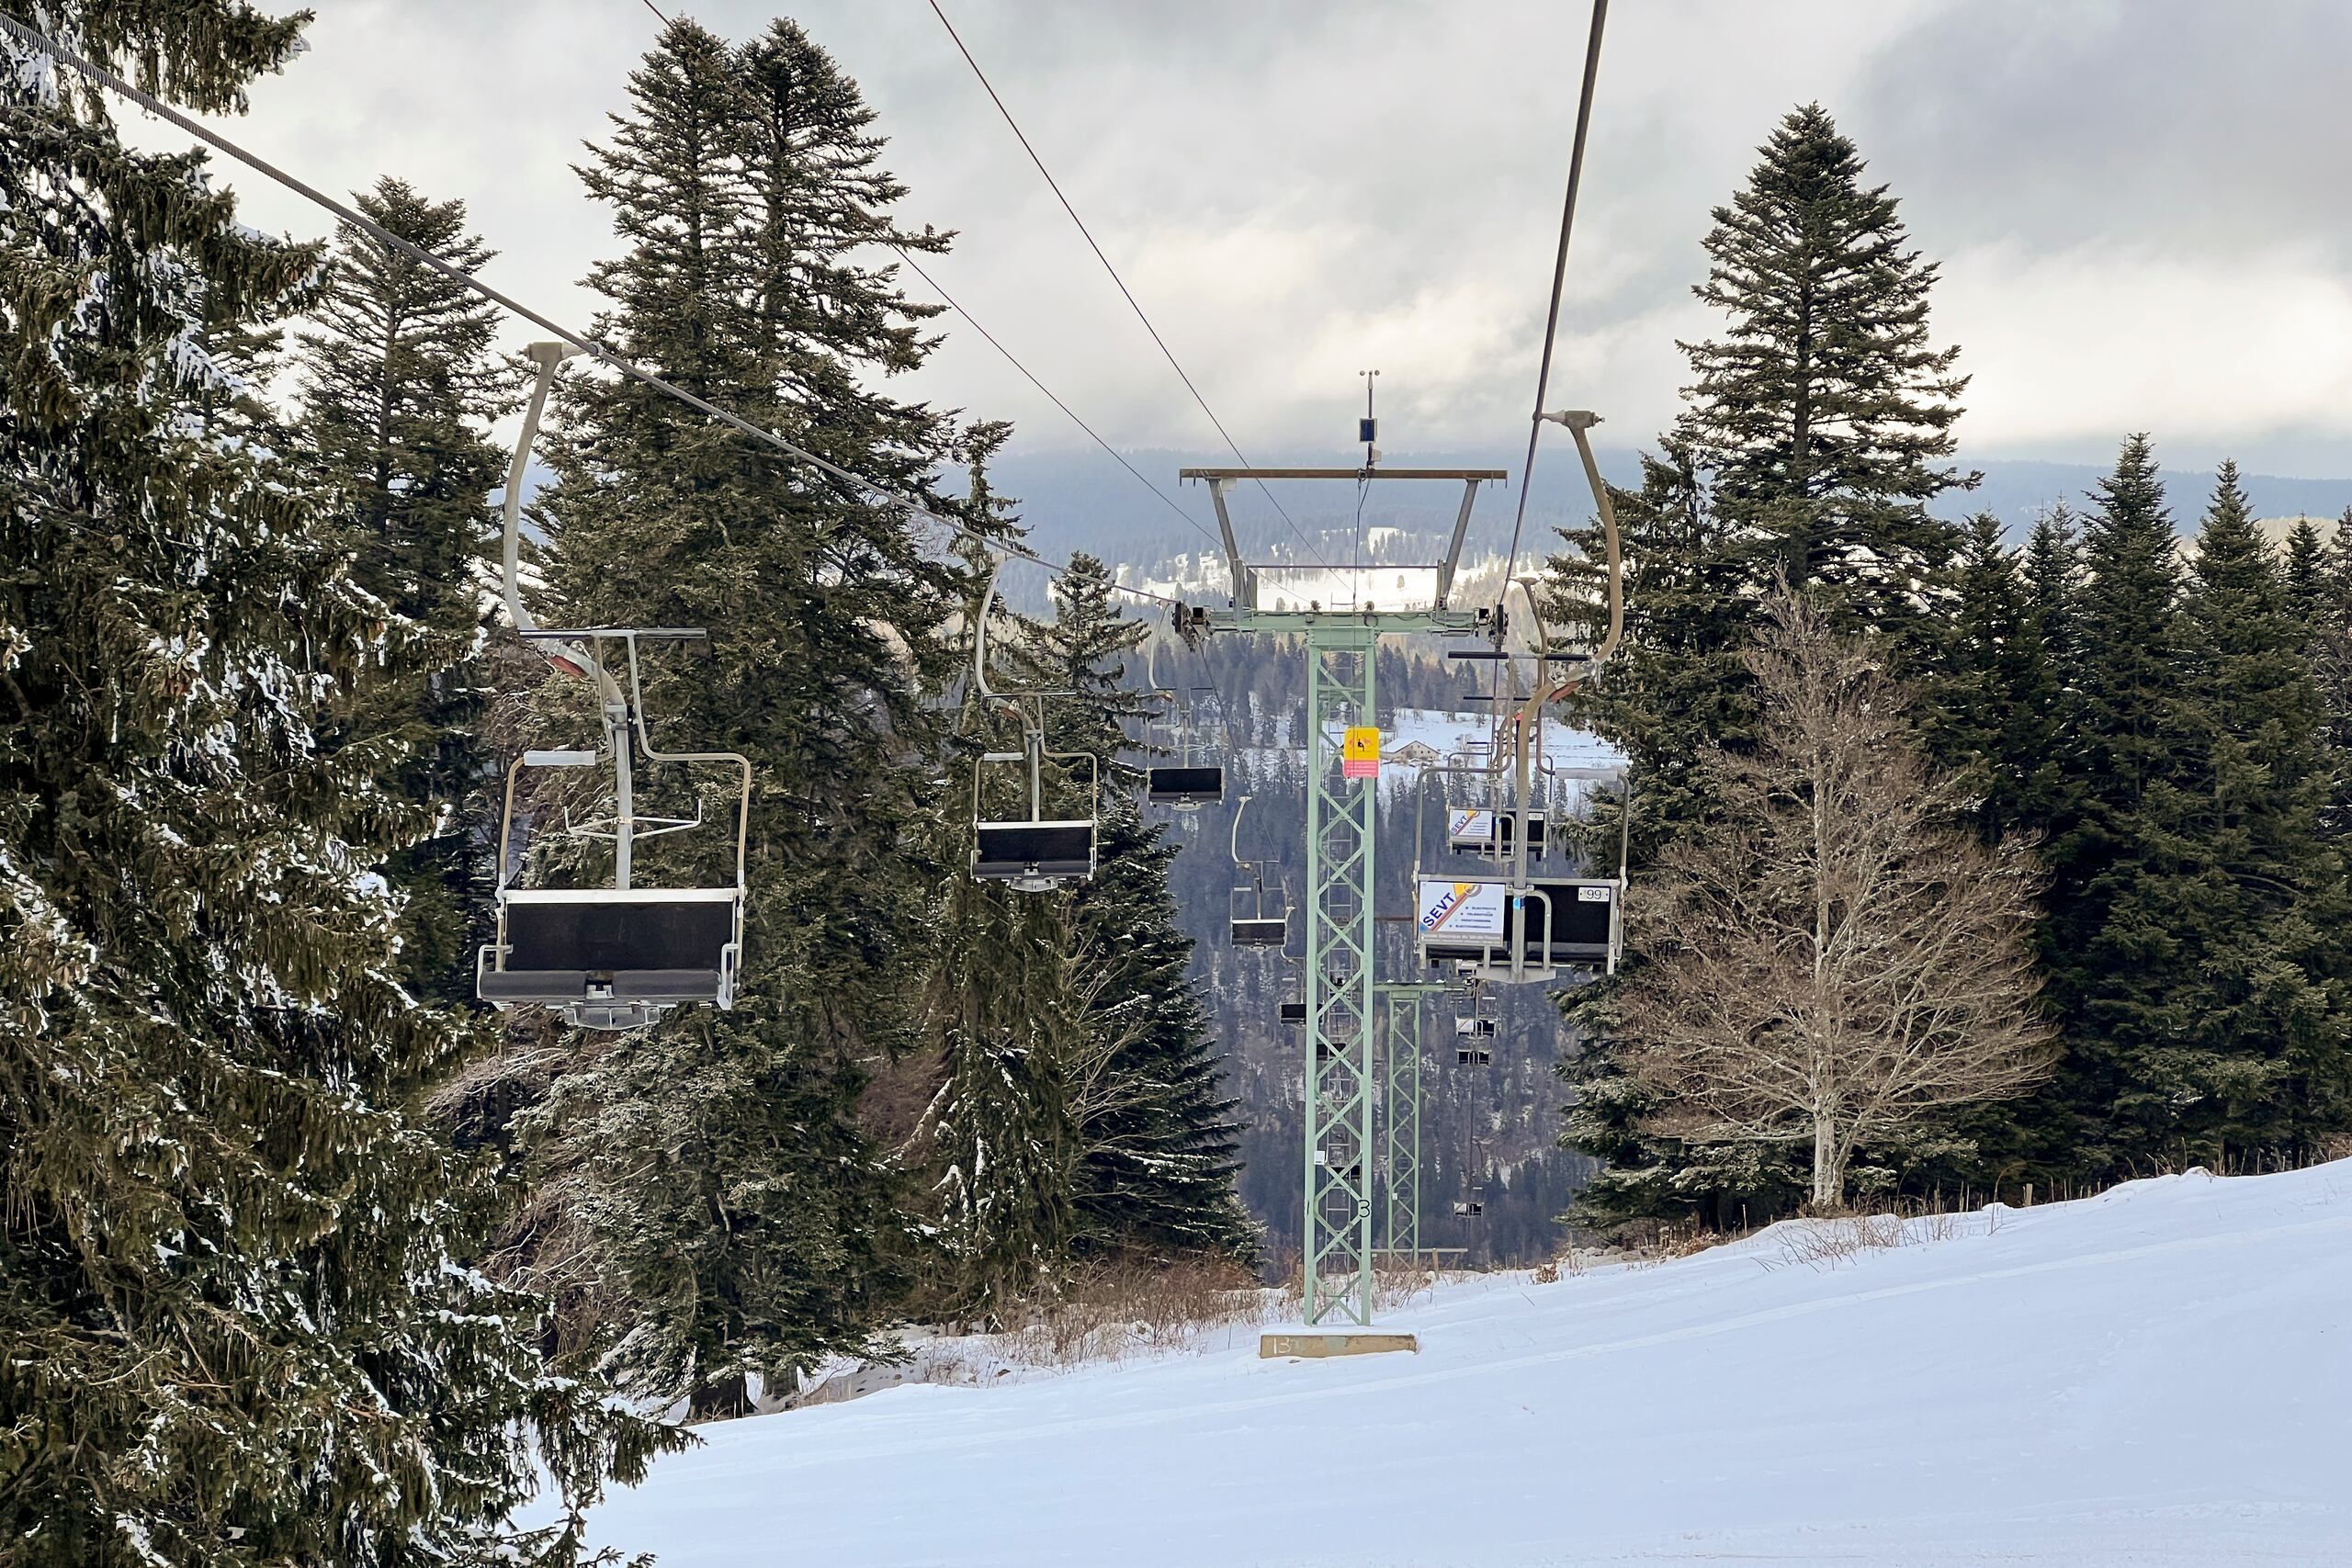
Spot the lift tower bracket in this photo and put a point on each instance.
(1255, 586)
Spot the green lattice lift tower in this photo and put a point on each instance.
(1401, 1118)
(1343, 642)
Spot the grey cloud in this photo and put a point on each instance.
(1294, 186)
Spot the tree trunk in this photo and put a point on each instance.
(1829, 1180)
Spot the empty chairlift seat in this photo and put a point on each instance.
(1185, 787)
(660, 946)
(1033, 856)
(1259, 931)
(1575, 922)
(1292, 1013)
(1250, 922)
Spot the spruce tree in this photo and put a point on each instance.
(1005, 1021)
(2052, 568)
(2191, 945)
(1998, 706)
(1824, 413)
(1078, 1111)
(238, 1327)
(2125, 738)
(1678, 682)
(1990, 713)
(2264, 1005)
(2330, 654)
(1157, 1134)
(2304, 571)
(400, 387)
(741, 1213)
(1679, 685)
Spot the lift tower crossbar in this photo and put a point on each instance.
(1341, 1083)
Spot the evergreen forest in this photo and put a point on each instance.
(309, 1257)
(2144, 697)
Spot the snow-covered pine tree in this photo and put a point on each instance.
(1078, 1110)
(401, 383)
(741, 1214)
(1155, 1129)
(238, 1330)
(1004, 1017)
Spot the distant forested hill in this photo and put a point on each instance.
(1081, 499)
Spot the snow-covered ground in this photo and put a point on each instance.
(2161, 1375)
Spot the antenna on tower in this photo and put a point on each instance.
(1368, 428)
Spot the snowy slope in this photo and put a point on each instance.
(2161, 1375)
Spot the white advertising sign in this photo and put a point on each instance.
(1470, 827)
(1467, 911)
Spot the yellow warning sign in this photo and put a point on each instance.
(1360, 752)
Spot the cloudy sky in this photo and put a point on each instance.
(2137, 205)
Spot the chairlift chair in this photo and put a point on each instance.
(1250, 923)
(1515, 926)
(1476, 1028)
(1291, 1014)
(1189, 781)
(617, 956)
(1187, 787)
(1256, 929)
(1033, 854)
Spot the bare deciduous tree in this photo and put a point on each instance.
(1846, 962)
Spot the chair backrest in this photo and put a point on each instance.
(604, 930)
(1184, 785)
(1010, 851)
(1575, 922)
(1259, 931)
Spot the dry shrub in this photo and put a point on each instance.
(1824, 1241)
(1671, 1241)
(1115, 1307)
(1397, 1283)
